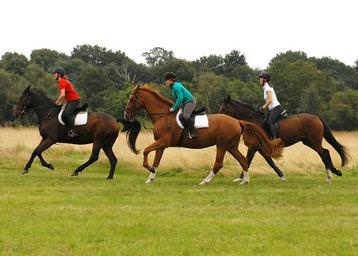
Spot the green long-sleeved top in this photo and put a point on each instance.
(181, 94)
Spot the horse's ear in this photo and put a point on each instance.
(27, 90)
(227, 99)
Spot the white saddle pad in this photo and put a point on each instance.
(201, 121)
(80, 119)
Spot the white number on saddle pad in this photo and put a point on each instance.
(80, 119)
(201, 121)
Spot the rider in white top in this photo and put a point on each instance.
(271, 102)
(274, 103)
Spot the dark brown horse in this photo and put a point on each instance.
(304, 127)
(101, 130)
(224, 132)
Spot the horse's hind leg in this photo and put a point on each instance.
(244, 164)
(326, 159)
(112, 158)
(220, 154)
(273, 166)
(93, 158)
(44, 144)
(44, 163)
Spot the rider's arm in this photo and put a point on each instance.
(61, 97)
(180, 98)
(269, 100)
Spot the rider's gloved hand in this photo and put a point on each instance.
(171, 110)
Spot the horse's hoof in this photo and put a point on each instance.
(50, 166)
(204, 182)
(74, 173)
(237, 180)
(148, 181)
(244, 182)
(25, 171)
(283, 178)
(109, 178)
(329, 180)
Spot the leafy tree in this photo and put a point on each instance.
(289, 57)
(97, 55)
(210, 90)
(157, 55)
(211, 63)
(14, 62)
(292, 79)
(46, 58)
(346, 75)
(343, 111)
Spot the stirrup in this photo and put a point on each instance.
(71, 133)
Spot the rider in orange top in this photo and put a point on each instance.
(68, 95)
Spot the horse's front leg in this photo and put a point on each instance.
(159, 147)
(44, 144)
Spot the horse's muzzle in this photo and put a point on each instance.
(18, 112)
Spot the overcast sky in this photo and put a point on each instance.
(190, 28)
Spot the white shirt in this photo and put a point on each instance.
(275, 102)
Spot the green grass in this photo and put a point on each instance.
(51, 213)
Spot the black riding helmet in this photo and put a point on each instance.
(265, 75)
(59, 70)
(170, 76)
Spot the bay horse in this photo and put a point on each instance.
(308, 128)
(223, 131)
(101, 130)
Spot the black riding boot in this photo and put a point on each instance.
(189, 126)
(71, 129)
(273, 131)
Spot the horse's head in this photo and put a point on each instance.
(227, 107)
(131, 125)
(134, 104)
(25, 102)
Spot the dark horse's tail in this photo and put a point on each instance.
(328, 135)
(132, 128)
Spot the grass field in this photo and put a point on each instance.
(51, 213)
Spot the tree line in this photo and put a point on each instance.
(104, 78)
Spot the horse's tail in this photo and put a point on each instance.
(255, 136)
(328, 135)
(132, 128)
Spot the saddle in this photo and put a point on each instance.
(198, 117)
(81, 115)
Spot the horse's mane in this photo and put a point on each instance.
(245, 105)
(157, 94)
(41, 93)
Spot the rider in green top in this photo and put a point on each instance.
(185, 100)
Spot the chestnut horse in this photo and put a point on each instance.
(224, 132)
(101, 130)
(308, 128)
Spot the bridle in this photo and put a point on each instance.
(135, 96)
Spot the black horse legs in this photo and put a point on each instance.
(44, 144)
(93, 158)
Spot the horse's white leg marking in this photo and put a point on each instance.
(151, 177)
(329, 176)
(246, 178)
(210, 176)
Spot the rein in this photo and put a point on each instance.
(47, 106)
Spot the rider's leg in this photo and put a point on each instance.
(272, 119)
(69, 118)
(187, 111)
